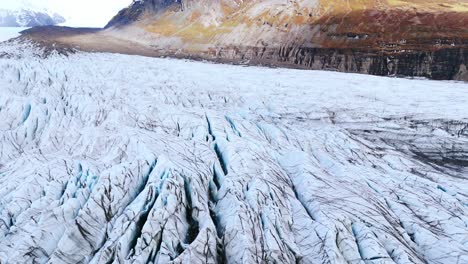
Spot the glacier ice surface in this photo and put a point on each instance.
(109, 158)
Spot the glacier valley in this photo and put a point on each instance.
(108, 158)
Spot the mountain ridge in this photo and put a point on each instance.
(396, 38)
(25, 17)
(322, 23)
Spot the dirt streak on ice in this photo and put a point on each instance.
(125, 159)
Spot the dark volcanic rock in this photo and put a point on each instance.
(444, 64)
(137, 9)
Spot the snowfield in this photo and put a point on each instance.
(110, 158)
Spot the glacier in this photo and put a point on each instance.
(108, 158)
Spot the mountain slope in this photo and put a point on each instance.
(110, 158)
(384, 37)
(307, 23)
(28, 18)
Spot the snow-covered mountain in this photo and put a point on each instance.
(109, 158)
(28, 18)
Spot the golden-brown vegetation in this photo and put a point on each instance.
(354, 23)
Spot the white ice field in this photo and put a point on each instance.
(123, 159)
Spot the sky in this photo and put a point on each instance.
(79, 13)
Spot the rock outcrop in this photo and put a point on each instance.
(443, 64)
(137, 9)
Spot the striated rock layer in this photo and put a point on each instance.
(124, 159)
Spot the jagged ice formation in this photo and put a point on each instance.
(124, 159)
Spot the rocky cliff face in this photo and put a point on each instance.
(443, 64)
(411, 38)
